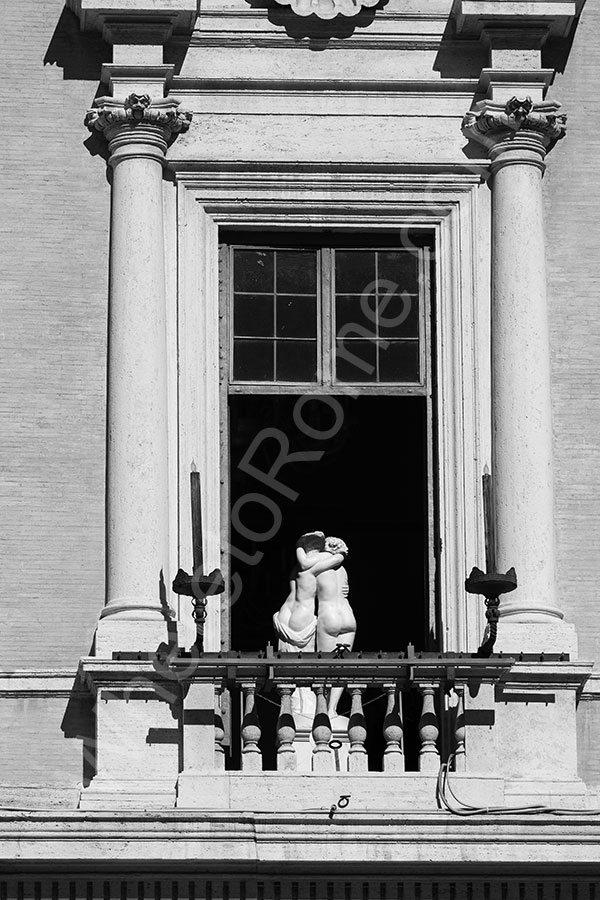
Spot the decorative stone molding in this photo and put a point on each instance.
(489, 122)
(556, 17)
(137, 109)
(95, 14)
(328, 9)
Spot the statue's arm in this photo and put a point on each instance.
(327, 562)
(301, 557)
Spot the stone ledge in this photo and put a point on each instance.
(313, 792)
(351, 842)
(93, 14)
(558, 16)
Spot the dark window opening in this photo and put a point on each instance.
(369, 487)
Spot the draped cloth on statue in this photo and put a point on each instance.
(291, 640)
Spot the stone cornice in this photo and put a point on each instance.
(490, 123)
(554, 17)
(354, 842)
(137, 109)
(94, 15)
(40, 683)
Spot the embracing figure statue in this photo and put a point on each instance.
(316, 614)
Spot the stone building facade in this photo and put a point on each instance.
(275, 266)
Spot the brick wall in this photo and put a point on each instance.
(54, 242)
(572, 188)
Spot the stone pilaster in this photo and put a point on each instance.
(137, 614)
(517, 136)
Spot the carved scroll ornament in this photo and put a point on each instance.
(490, 121)
(138, 109)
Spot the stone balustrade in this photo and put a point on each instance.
(237, 731)
(307, 735)
(266, 731)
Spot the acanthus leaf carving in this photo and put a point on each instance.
(137, 109)
(490, 122)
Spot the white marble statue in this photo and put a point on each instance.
(296, 622)
(336, 625)
(317, 604)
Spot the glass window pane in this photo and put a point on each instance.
(398, 316)
(253, 315)
(399, 361)
(350, 312)
(253, 270)
(354, 270)
(355, 360)
(253, 360)
(296, 316)
(400, 267)
(296, 360)
(296, 272)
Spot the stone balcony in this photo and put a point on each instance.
(237, 731)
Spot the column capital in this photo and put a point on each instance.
(136, 121)
(525, 128)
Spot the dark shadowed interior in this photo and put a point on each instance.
(368, 487)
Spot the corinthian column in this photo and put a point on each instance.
(518, 135)
(136, 613)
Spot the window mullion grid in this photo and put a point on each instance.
(424, 327)
(376, 317)
(230, 314)
(326, 334)
(275, 264)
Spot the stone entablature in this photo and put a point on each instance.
(230, 847)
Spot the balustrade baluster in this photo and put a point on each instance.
(357, 731)
(219, 731)
(286, 730)
(322, 758)
(393, 756)
(429, 756)
(460, 756)
(251, 755)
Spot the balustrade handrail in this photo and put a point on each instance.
(236, 667)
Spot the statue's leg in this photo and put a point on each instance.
(347, 638)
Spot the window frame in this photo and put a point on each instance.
(325, 382)
(425, 389)
(453, 202)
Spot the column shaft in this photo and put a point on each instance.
(521, 398)
(137, 495)
(517, 135)
(137, 492)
